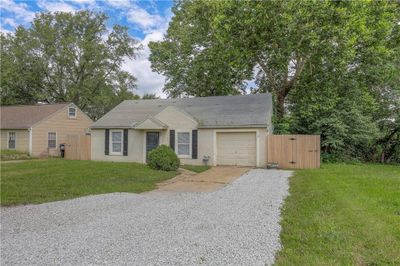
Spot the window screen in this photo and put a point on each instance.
(116, 141)
(11, 140)
(52, 140)
(72, 112)
(183, 143)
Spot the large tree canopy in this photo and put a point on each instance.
(66, 57)
(332, 67)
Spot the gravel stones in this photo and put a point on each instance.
(235, 225)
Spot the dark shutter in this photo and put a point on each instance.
(194, 144)
(172, 139)
(107, 142)
(125, 142)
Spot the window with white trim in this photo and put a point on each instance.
(52, 140)
(11, 140)
(183, 143)
(71, 112)
(116, 139)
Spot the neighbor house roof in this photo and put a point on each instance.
(209, 112)
(25, 116)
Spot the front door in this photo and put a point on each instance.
(152, 140)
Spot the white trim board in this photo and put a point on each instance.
(48, 140)
(183, 156)
(110, 142)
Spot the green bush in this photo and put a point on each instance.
(163, 158)
(10, 155)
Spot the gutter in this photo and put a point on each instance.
(113, 126)
(199, 127)
(233, 126)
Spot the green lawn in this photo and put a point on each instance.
(342, 215)
(195, 168)
(56, 179)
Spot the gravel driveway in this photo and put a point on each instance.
(236, 225)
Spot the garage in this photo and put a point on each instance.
(236, 148)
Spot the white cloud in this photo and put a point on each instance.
(148, 81)
(153, 26)
(90, 2)
(20, 10)
(119, 3)
(9, 21)
(5, 31)
(143, 19)
(52, 6)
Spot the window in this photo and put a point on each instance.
(183, 143)
(11, 140)
(71, 112)
(116, 142)
(52, 140)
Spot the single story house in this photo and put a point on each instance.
(39, 129)
(219, 130)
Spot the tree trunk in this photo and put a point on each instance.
(280, 104)
(383, 157)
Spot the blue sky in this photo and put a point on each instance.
(147, 21)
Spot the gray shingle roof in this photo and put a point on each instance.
(209, 112)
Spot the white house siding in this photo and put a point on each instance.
(135, 147)
(206, 145)
(178, 121)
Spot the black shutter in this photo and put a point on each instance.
(107, 142)
(172, 139)
(194, 144)
(125, 142)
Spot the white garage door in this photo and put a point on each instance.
(236, 148)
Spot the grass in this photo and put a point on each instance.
(342, 215)
(56, 179)
(195, 168)
(11, 155)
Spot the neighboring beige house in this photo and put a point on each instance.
(220, 130)
(39, 129)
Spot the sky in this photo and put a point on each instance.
(147, 21)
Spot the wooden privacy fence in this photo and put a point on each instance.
(77, 147)
(294, 151)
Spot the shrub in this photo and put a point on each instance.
(163, 158)
(10, 155)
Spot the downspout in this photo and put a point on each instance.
(30, 141)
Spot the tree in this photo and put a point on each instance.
(192, 59)
(330, 66)
(66, 57)
(212, 48)
(148, 96)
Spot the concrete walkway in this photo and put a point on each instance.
(210, 180)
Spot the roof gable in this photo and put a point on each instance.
(151, 123)
(173, 116)
(25, 116)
